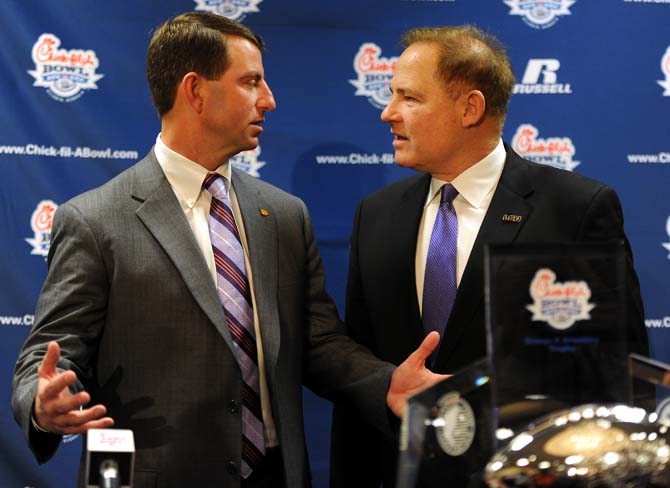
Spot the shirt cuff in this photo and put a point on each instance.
(36, 426)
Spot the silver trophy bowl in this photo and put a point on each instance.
(590, 446)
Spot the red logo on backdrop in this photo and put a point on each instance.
(559, 304)
(41, 222)
(665, 68)
(374, 75)
(552, 151)
(64, 73)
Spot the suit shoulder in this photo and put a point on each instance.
(397, 189)
(117, 188)
(560, 180)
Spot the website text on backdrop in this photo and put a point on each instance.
(199, 344)
(451, 88)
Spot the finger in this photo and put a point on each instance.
(49, 361)
(79, 418)
(57, 384)
(430, 342)
(70, 403)
(103, 423)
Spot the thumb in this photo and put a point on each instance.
(430, 342)
(50, 360)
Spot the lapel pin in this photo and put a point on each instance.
(263, 212)
(512, 218)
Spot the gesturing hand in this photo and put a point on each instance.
(56, 409)
(412, 375)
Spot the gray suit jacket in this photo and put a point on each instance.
(132, 304)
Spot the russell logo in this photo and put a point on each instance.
(540, 78)
(559, 304)
(40, 222)
(540, 14)
(552, 151)
(666, 245)
(64, 73)
(374, 75)
(233, 9)
(248, 162)
(665, 68)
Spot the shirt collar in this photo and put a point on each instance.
(476, 182)
(185, 176)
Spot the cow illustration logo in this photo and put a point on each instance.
(232, 9)
(41, 222)
(66, 74)
(552, 151)
(540, 14)
(559, 304)
(374, 75)
(665, 68)
(248, 162)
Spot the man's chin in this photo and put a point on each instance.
(404, 162)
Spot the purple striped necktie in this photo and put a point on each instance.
(235, 295)
(439, 286)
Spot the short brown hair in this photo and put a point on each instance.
(470, 59)
(194, 41)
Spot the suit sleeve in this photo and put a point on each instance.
(337, 367)
(70, 310)
(603, 221)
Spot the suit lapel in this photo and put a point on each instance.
(260, 229)
(163, 217)
(510, 198)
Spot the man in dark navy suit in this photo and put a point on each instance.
(451, 87)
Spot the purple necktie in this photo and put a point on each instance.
(235, 295)
(439, 285)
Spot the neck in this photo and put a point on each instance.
(471, 154)
(189, 144)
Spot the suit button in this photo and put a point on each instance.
(232, 469)
(233, 406)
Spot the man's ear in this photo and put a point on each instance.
(191, 89)
(474, 108)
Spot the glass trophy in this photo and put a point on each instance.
(556, 328)
(650, 385)
(447, 432)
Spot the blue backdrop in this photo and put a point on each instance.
(593, 96)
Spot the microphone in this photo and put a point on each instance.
(110, 458)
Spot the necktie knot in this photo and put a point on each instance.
(448, 194)
(216, 185)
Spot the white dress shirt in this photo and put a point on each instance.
(186, 178)
(475, 186)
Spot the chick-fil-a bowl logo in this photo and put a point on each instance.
(232, 9)
(64, 73)
(540, 14)
(559, 304)
(248, 162)
(552, 151)
(665, 68)
(41, 221)
(374, 75)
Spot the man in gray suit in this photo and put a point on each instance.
(135, 320)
